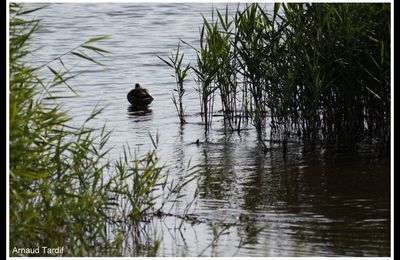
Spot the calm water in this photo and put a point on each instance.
(311, 202)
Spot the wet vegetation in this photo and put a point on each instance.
(320, 71)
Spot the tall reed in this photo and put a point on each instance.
(175, 62)
(206, 69)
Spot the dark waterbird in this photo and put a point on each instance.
(139, 96)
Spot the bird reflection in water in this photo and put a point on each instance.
(139, 111)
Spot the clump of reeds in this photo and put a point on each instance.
(320, 71)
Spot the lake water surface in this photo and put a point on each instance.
(311, 201)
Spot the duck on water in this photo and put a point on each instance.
(139, 96)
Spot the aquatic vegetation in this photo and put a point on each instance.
(320, 71)
(175, 62)
(64, 191)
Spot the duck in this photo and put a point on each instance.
(139, 96)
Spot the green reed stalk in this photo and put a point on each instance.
(251, 52)
(206, 69)
(225, 76)
(175, 62)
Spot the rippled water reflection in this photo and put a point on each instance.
(307, 201)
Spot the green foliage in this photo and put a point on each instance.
(57, 197)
